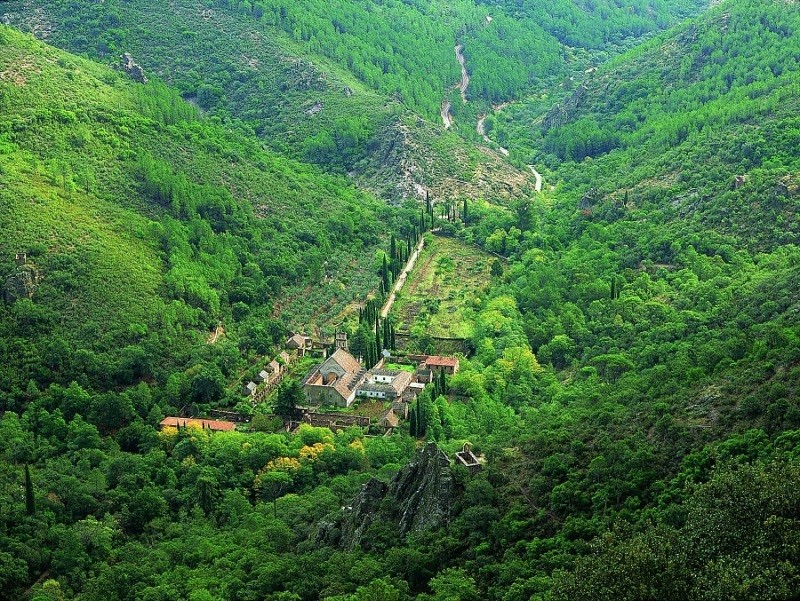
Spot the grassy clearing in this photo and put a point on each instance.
(442, 292)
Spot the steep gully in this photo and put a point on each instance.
(462, 86)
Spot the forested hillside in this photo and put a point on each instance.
(145, 225)
(332, 82)
(633, 384)
(233, 64)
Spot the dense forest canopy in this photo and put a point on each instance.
(633, 369)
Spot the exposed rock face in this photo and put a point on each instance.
(588, 199)
(131, 68)
(423, 490)
(417, 498)
(21, 284)
(560, 113)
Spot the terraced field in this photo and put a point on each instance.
(443, 290)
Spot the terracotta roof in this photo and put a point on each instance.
(346, 361)
(208, 424)
(436, 361)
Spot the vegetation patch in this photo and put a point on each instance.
(444, 289)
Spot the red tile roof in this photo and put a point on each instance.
(208, 424)
(436, 361)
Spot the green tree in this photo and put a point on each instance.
(273, 485)
(290, 395)
(208, 385)
(30, 503)
(207, 491)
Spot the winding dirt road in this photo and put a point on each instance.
(447, 117)
(464, 84)
(538, 177)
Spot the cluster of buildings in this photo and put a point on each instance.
(297, 346)
(341, 379)
(270, 376)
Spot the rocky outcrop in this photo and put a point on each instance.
(588, 199)
(21, 284)
(418, 498)
(133, 69)
(560, 114)
(423, 490)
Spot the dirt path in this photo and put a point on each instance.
(538, 177)
(447, 117)
(464, 75)
(481, 129)
(218, 333)
(401, 279)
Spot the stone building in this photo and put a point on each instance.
(384, 384)
(335, 381)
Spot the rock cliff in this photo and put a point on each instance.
(21, 284)
(417, 498)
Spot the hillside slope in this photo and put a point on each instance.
(658, 290)
(295, 97)
(339, 83)
(721, 94)
(146, 224)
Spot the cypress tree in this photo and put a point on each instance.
(385, 274)
(421, 420)
(30, 504)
